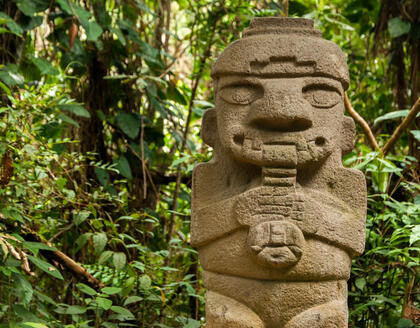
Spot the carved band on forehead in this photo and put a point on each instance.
(282, 55)
(280, 25)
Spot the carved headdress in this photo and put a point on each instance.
(283, 47)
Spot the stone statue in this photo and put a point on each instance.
(276, 217)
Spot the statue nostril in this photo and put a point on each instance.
(239, 139)
(320, 141)
(302, 123)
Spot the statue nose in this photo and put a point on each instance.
(282, 113)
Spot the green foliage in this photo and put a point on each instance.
(101, 106)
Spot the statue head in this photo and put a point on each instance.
(279, 96)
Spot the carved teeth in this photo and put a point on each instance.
(274, 181)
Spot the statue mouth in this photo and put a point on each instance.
(285, 150)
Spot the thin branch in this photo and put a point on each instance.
(143, 165)
(360, 120)
(168, 68)
(406, 123)
(58, 234)
(76, 270)
(71, 265)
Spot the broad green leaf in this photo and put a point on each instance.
(46, 267)
(10, 76)
(398, 27)
(34, 247)
(132, 299)
(416, 134)
(82, 240)
(44, 66)
(5, 88)
(102, 176)
(67, 119)
(14, 27)
(99, 241)
(82, 14)
(45, 298)
(360, 283)
(166, 268)
(174, 94)
(80, 217)
(119, 35)
(93, 31)
(86, 289)
(204, 103)
(129, 124)
(76, 309)
(119, 259)
(75, 108)
(338, 22)
(65, 6)
(23, 288)
(193, 324)
(141, 5)
(145, 282)
(415, 234)
(4, 30)
(11, 24)
(123, 311)
(138, 265)
(31, 7)
(392, 115)
(35, 324)
(105, 256)
(123, 166)
(199, 111)
(104, 303)
(180, 160)
(406, 323)
(118, 77)
(111, 290)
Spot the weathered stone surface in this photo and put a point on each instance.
(276, 217)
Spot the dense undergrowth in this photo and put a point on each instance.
(101, 105)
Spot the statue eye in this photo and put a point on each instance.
(321, 95)
(241, 94)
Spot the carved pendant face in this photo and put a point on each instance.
(276, 244)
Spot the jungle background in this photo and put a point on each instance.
(101, 106)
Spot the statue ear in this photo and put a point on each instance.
(209, 127)
(348, 135)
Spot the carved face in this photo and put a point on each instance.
(287, 121)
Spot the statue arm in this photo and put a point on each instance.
(339, 216)
(343, 229)
(211, 213)
(212, 222)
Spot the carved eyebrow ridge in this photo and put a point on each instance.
(318, 85)
(248, 82)
(254, 78)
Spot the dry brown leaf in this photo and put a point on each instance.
(6, 169)
(72, 34)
